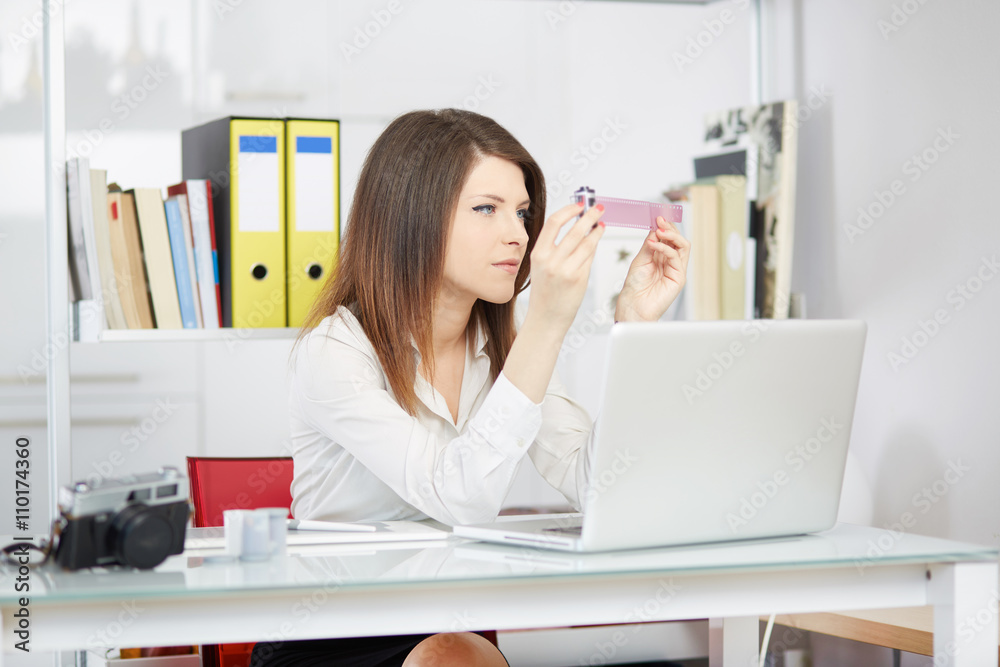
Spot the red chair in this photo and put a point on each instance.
(219, 484)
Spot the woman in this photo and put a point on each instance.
(414, 395)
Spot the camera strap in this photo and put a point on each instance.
(12, 553)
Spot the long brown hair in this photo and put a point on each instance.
(392, 257)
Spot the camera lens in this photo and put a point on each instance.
(141, 537)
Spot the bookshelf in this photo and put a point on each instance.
(188, 335)
(59, 445)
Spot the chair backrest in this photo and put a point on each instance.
(219, 484)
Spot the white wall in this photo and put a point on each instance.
(894, 94)
(891, 94)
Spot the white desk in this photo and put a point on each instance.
(458, 585)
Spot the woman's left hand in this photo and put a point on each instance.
(656, 276)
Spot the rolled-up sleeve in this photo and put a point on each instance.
(343, 394)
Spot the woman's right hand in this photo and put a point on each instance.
(560, 271)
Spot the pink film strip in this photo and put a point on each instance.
(630, 213)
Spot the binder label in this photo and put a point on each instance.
(257, 171)
(314, 186)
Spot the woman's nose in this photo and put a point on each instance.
(519, 234)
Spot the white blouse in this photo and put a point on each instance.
(359, 456)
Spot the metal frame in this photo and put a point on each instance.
(58, 325)
(58, 330)
(757, 54)
(733, 599)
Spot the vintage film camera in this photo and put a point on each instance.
(135, 520)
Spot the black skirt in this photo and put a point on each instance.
(350, 652)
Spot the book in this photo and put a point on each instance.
(120, 259)
(760, 251)
(182, 274)
(183, 207)
(137, 262)
(102, 246)
(126, 251)
(705, 292)
(740, 162)
(771, 130)
(749, 294)
(198, 193)
(210, 206)
(158, 256)
(732, 212)
(79, 270)
(89, 317)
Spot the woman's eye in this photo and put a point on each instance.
(490, 209)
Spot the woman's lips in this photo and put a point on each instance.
(509, 268)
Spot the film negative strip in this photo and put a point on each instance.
(630, 213)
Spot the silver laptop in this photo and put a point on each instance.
(710, 432)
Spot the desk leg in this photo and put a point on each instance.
(732, 642)
(965, 597)
(66, 659)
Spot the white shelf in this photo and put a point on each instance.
(183, 335)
